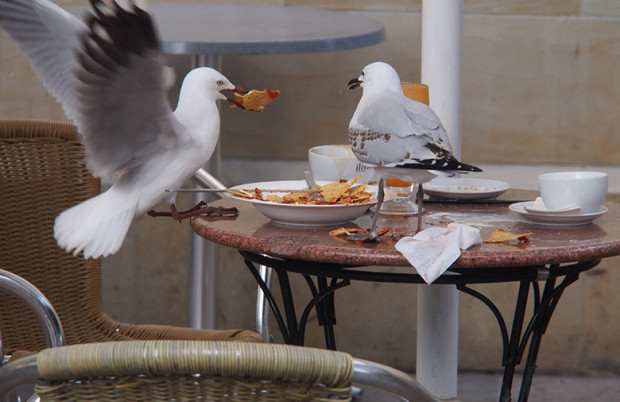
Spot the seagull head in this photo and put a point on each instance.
(377, 76)
(211, 83)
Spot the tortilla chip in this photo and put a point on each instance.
(345, 231)
(273, 198)
(241, 193)
(333, 191)
(501, 236)
(255, 101)
(357, 189)
(295, 197)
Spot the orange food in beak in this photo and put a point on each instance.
(255, 100)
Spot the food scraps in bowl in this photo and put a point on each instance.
(341, 192)
(255, 101)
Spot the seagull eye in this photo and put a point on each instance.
(220, 83)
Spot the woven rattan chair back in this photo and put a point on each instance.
(43, 172)
(213, 371)
(166, 370)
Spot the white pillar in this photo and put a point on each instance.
(437, 339)
(442, 59)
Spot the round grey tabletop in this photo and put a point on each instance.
(229, 28)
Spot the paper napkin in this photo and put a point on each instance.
(433, 250)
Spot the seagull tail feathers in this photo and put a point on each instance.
(97, 227)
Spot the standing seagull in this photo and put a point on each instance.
(401, 137)
(110, 78)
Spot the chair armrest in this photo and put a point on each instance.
(375, 376)
(38, 303)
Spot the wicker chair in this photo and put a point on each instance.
(42, 172)
(190, 370)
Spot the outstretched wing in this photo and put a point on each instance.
(124, 114)
(49, 36)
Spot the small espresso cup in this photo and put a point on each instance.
(337, 162)
(587, 190)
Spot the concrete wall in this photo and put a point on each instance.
(541, 85)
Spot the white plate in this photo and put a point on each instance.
(570, 219)
(304, 215)
(464, 188)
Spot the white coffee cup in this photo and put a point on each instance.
(587, 190)
(336, 162)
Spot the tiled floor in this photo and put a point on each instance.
(484, 387)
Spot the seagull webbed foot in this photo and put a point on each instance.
(199, 209)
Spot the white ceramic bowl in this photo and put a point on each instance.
(584, 189)
(304, 215)
(336, 162)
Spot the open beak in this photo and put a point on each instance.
(233, 100)
(354, 83)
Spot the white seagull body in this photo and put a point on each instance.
(110, 78)
(401, 137)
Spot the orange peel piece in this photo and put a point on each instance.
(501, 236)
(255, 100)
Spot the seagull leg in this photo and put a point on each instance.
(372, 235)
(199, 209)
(380, 197)
(420, 199)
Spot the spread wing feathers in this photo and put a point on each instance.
(49, 36)
(123, 115)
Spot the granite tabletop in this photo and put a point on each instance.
(253, 232)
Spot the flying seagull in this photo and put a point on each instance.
(110, 77)
(401, 137)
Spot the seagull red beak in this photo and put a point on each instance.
(233, 100)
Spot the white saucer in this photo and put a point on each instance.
(465, 188)
(555, 219)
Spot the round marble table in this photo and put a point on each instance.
(553, 258)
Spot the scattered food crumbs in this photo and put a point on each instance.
(501, 236)
(344, 232)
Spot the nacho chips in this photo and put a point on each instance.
(341, 192)
(501, 236)
(255, 101)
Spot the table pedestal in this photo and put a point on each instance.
(438, 319)
(324, 279)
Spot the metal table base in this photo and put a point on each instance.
(324, 279)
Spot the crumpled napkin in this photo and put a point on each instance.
(433, 250)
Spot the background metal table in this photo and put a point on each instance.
(548, 264)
